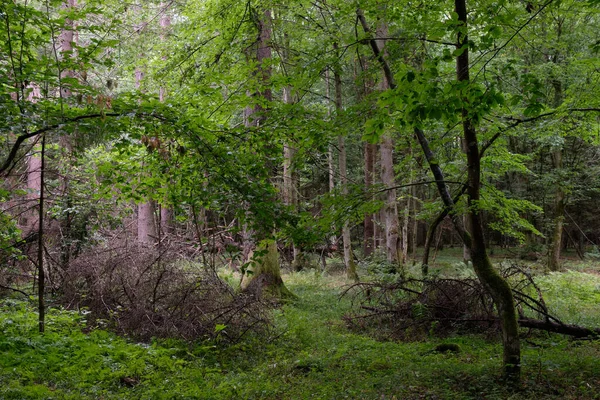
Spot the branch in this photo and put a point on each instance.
(386, 68)
(21, 138)
(14, 290)
(564, 329)
(519, 121)
(499, 49)
(414, 184)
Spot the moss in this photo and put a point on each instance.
(262, 276)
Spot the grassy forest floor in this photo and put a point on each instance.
(310, 354)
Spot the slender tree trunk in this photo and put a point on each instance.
(166, 211)
(489, 277)
(147, 231)
(67, 39)
(559, 210)
(290, 186)
(415, 225)
(40, 250)
(369, 222)
(405, 223)
(364, 87)
(559, 201)
(347, 243)
(166, 219)
(34, 186)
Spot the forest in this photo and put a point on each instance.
(274, 199)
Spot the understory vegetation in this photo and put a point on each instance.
(285, 199)
(308, 352)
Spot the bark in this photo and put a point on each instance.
(390, 210)
(466, 250)
(489, 277)
(415, 226)
(147, 231)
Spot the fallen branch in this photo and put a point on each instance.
(564, 329)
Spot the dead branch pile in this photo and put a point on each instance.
(143, 292)
(411, 309)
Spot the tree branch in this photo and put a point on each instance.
(21, 138)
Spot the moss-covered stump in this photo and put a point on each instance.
(262, 276)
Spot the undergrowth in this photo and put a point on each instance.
(313, 356)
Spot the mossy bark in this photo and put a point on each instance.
(262, 276)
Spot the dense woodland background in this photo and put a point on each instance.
(163, 162)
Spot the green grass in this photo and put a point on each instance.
(310, 355)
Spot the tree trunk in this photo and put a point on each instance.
(34, 187)
(559, 201)
(67, 38)
(559, 210)
(489, 277)
(166, 219)
(147, 232)
(390, 209)
(40, 250)
(369, 223)
(290, 187)
(347, 243)
(415, 226)
(262, 275)
(166, 211)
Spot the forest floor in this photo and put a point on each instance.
(309, 355)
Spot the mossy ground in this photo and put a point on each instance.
(309, 355)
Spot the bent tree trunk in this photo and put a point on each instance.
(489, 277)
